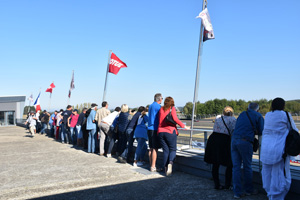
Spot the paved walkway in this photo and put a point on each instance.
(42, 168)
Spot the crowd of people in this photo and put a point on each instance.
(231, 144)
(113, 133)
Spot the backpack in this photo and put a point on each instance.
(292, 142)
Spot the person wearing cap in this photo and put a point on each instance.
(102, 113)
(218, 149)
(242, 148)
(32, 123)
(91, 128)
(72, 121)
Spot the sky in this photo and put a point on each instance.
(255, 53)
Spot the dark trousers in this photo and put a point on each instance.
(122, 142)
(168, 142)
(215, 174)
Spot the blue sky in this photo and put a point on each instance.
(255, 54)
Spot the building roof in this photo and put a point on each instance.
(8, 99)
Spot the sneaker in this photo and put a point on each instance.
(108, 155)
(121, 159)
(134, 164)
(255, 192)
(139, 164)
(169, 170)
(236, 197)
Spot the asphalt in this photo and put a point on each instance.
(39, 167)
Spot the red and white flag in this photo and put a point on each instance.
(72, 86)
(49, 89)
(37, 103)
(208, 28)
(115, 64)
(30, 98)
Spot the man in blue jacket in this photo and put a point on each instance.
(242, 148)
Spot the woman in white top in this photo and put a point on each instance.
(276, 174)
(217, 151)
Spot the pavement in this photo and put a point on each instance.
(41, 168)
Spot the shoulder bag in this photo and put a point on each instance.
(255, 142)
(226, 126)
(169, 119)
(292, 142)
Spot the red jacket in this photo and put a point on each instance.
(167, 127)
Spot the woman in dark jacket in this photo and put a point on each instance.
(122, 125)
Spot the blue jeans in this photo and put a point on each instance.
(44, 126)
(79, 131)
(91, 141)
(130, 139)
(141, 149)
(168, 142)
(241, 152)
(64, 133)
(73, 137)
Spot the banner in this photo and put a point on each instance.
(115, 64)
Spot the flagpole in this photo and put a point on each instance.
(105, 84)
(204, 5)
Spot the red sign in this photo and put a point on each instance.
(115, 64)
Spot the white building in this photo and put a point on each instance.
(11, 109)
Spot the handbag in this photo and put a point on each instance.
(292, 142)
(169, 119)
(255, 142)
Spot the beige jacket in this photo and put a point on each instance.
(101, 113)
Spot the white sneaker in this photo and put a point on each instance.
(139, 163)
(108, 155)
(134, 164)
(169, 170)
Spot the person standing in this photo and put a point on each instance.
(140, 134)
(80, 121)
(44, 117)
(58, 124)
(91, 128)
(101, 113)
(242, 148)
(130, 131)
(32, 123)
(154, 143)
(72, 121)
(276, 175)
(167, 133)
(122, 125)
(218, 148)
(105, 128)
(65, 128)
(52, 123)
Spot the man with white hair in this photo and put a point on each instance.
(248, 124)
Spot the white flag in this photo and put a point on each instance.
(205, 20)
(208, 28)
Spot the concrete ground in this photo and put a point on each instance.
(39, 167)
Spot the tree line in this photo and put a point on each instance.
(216, 106)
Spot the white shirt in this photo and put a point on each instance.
(110, 118)
(276, 128)
(58, 119)
(31, 121)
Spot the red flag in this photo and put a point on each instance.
(115, 64)
(49, 89)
